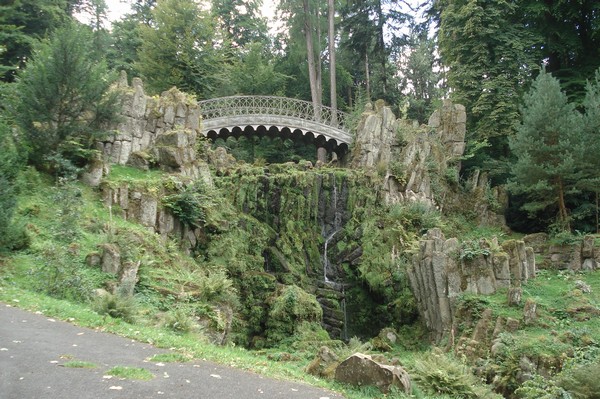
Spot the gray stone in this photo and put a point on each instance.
(128, 277)
(362, 370)
(111, 258)
(583, 287)
(530, 312)
(148, 210)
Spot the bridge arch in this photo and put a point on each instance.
(276, 117)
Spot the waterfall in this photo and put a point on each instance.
(325, 258)
(337, 227)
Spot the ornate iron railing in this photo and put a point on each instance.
(270, 105)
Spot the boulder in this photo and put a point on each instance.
(323, 365)
(360, 370)
(111, 258)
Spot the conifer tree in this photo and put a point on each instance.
(547, 146)
(591, 137)
(64, 104)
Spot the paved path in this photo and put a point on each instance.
(34, 348)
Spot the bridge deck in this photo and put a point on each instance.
(280, 112)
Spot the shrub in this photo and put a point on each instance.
(179, 321)
(62, 275)
(289, 310)
(582, 381)
(439, 374)
(188, 204)
(116, 306)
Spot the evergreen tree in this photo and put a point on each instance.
(64, 103)
(240, 21)
(253, 74)
(10, 164)
(591, 137)
(547, 145)
(22, 22)
(178, 49)
(489, 53)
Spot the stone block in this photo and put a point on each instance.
(362, 370)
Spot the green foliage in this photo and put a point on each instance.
(116, 306)
(67, 195)
(178, 49)
(130, 373)
(240, 23)
(254, 74)
(61, 274)
(64, 104)
(582, 382)
(21, 24)
(12, 234)
(473, 249)
(440, 374)
(179, 320)
(189, 204)
(289, 310)
(547, 146)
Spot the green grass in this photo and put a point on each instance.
(80, 364)
(171, 357)
(130, 373)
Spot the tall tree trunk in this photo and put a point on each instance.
(310, 52)
(318, 59)
(368, 78)
(332, 77)
(562, 206)
(381, 45)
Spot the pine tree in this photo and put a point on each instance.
(548, 146)
(64, 104)
(591, 137)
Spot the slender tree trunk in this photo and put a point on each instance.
(562, 206)
(368, 78)
(318, 59)
(310, 52)
(597, 216)
(381, 45)
(332, 77)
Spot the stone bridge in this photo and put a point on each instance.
(276, 117)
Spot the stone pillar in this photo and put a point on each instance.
(322, 154)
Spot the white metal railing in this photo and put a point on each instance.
(270, 105)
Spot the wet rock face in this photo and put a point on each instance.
(439, 274)
(360, 370)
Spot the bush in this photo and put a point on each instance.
(116, 306)
(188, 204)
(288, 311)
(11, 234)
(179, 320)
(62, 275)
(582, 381)
(439, 374)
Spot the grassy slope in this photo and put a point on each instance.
(567, 325)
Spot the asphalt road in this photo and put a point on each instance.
(34, 349)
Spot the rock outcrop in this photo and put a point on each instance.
(361, 370)
(440, 272)
(145, 118)
(580, 255)
(410, 154)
